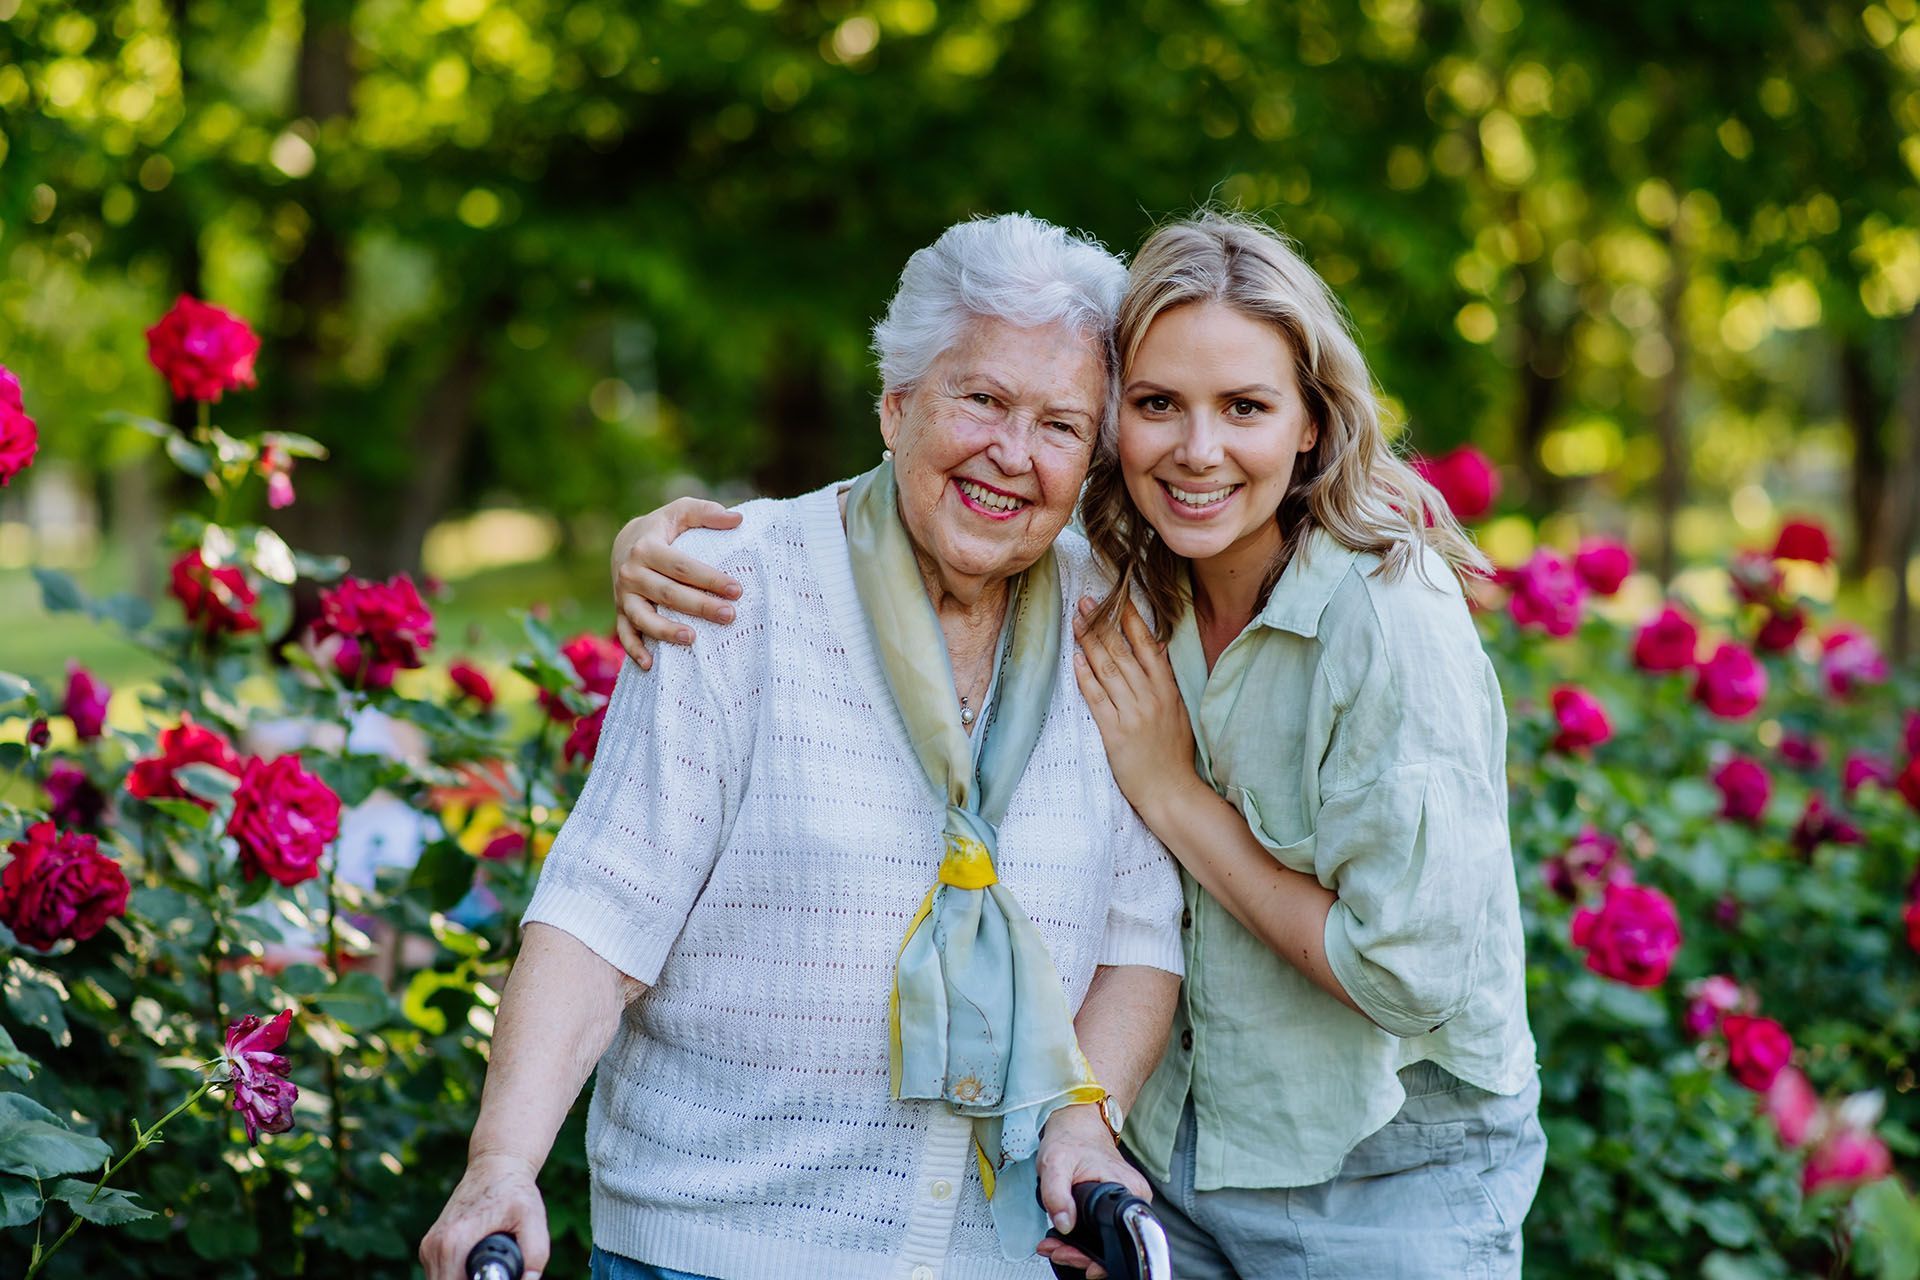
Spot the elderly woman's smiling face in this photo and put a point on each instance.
(990, 447)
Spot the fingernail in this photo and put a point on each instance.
(733, 591)
(1086, 604)
(686, 637)
(1061, 1221)
(724, 613)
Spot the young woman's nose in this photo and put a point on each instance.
(1199, 448)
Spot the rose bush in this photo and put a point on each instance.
(1715, 816)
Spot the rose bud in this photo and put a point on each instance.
(39, 733)
(472, 683)
(1708, 1001)
(86, 702)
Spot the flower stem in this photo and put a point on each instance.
(143, 1138)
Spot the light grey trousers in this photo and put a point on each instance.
(1440, 1191)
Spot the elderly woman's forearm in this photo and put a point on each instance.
(1123, 1023)
(559, 1012)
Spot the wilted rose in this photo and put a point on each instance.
(388, 619)
(19, 436)
(185, 743)
(1668, 641)
(1792, 1105)
(214, 599)
(1803, 540)
(472, 683)
(1632, 937)
(1583, 721)
(1757, 1049)
(1863, 767)
(1731, 683)
(1820, 825)
(73, 802)
(1744, 789)
(257, 1075)
(283, 818)
(1592, 860)
(1466, 479)
(1849, 658)
(1780, 631)
(1845, 1158)
(59, 885)
(1546, 593)
(202, 350)
(1603, 564)
(1708, 1001)
(86, 702)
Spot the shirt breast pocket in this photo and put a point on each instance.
(1292, 849)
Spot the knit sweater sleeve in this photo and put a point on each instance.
(633, 856)
(1143, 911)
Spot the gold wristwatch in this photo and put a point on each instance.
(1111, 1113)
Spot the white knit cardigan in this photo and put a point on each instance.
(753, 838)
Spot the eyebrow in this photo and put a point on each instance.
(1258, 388)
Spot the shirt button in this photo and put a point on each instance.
(1186, 918)
(1186, 1039)
(941, 1189)
(923, 1273)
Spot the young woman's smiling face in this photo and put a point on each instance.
(1211, 420)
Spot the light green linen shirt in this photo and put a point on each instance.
(1357, 725)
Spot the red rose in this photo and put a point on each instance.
(1466, 479)
(59, 885)
(1792, 1105)
(1731, 683)
(1801, 751)
(1846, 1158)
(472, 683)
(1744, 789)
(1850, 657)
(1583, 721)
(86, 702)
(1592, 860)
(351, 665)
(584, 741)
(1803, 540)
(1546, 593)
(1632, 937)
(1908, 783)
(388, 620)
(185, 743)
(1912, 737)
(19, 437)
(1667, 641)
(596, 661)
(283, 817)
(214, 599)
(202, 350)
(505, 844)
(73, 802)
(1757, 1050)
(1820, 825)
(1603, 564)
(1708, 1002)
(1862, 768)
(1781, 629)
(39, 733)
(1757, 579)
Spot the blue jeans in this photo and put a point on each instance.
(1440, 1191)
(611, 1266)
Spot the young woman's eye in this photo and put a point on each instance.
(1245, 408)
(1154, 404)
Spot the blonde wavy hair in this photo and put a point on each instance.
(1350, 483)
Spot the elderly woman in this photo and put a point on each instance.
(847, 879)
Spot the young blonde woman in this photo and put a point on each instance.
(1350, 1086)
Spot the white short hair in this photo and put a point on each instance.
(1012, 267)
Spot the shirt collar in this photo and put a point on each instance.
(1307, 585)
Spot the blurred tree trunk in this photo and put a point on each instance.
(1905, 516)
(1671, 491)
(1543, 366)
(437, 443)
(1866, 413)
(799, 456)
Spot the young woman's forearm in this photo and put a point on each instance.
(557, 1016)
(1123, 1023)
(1286, 909)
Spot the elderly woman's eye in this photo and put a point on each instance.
(1067, 427)
(982, 398)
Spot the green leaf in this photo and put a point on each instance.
(218, 1237)
(20, 1202)
(1889, 1235)
(183, 811)
(111, 1208)
(294, 444)
(14, 688)
(357, 1002)
(321, 569)
(269, 553)
(139, 422)
(37, 1003)
(47, 1149)
(188, 456)
(424, 986)
(12, 1060)
(130, 612)
(209, 782)
(58, 592)
(444, 873)
(1729, 1222)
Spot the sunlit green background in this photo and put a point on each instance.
(528, 265)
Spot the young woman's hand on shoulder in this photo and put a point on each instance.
(648, 573)
(1129, 686)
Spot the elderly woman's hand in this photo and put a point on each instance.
(648, 572)
(498, 1193)
(1075, 1147)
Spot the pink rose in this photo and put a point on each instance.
(1632, 937)
(1802, 752)
(1466, 479)
(277, 466)
(1780, 631)
(257, 1075)
(505, 844)
(1592, 860)
(1731, 683)
(10, 395)
(1757, 1050)
(351, 665)
(387, 620)
(1862, 768)
(1846, 1158)
(584, 741)
(19, 437)
(1912, 737)
(1708, 1001)
(1757, 579)
(1848, 658)
(1546, 593)
(1583, 721)
(283, 819)
(202, 350)
(73, 802)
(1603, 564)
(1820, 825)
(214, 599)
(1744, 789)
(1803, 540)
(1792, 1105)
(86, 702)
(1667, 641)
(596, 660)
(185, 743)
(472, 683)
(59, 885)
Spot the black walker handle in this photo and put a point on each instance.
(496, 1258)
(1100, 1230)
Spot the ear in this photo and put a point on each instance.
(1310, 437)
(892, 411)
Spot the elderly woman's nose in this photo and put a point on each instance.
(1011, 448)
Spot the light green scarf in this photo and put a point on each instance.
(980, 1020)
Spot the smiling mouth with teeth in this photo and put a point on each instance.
(1199, 499)
(991, 500)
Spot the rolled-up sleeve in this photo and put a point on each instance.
(632, 857)
(1144, 903)
(1414, 856)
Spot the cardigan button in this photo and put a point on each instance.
(941, 1189)
(923, 1273)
